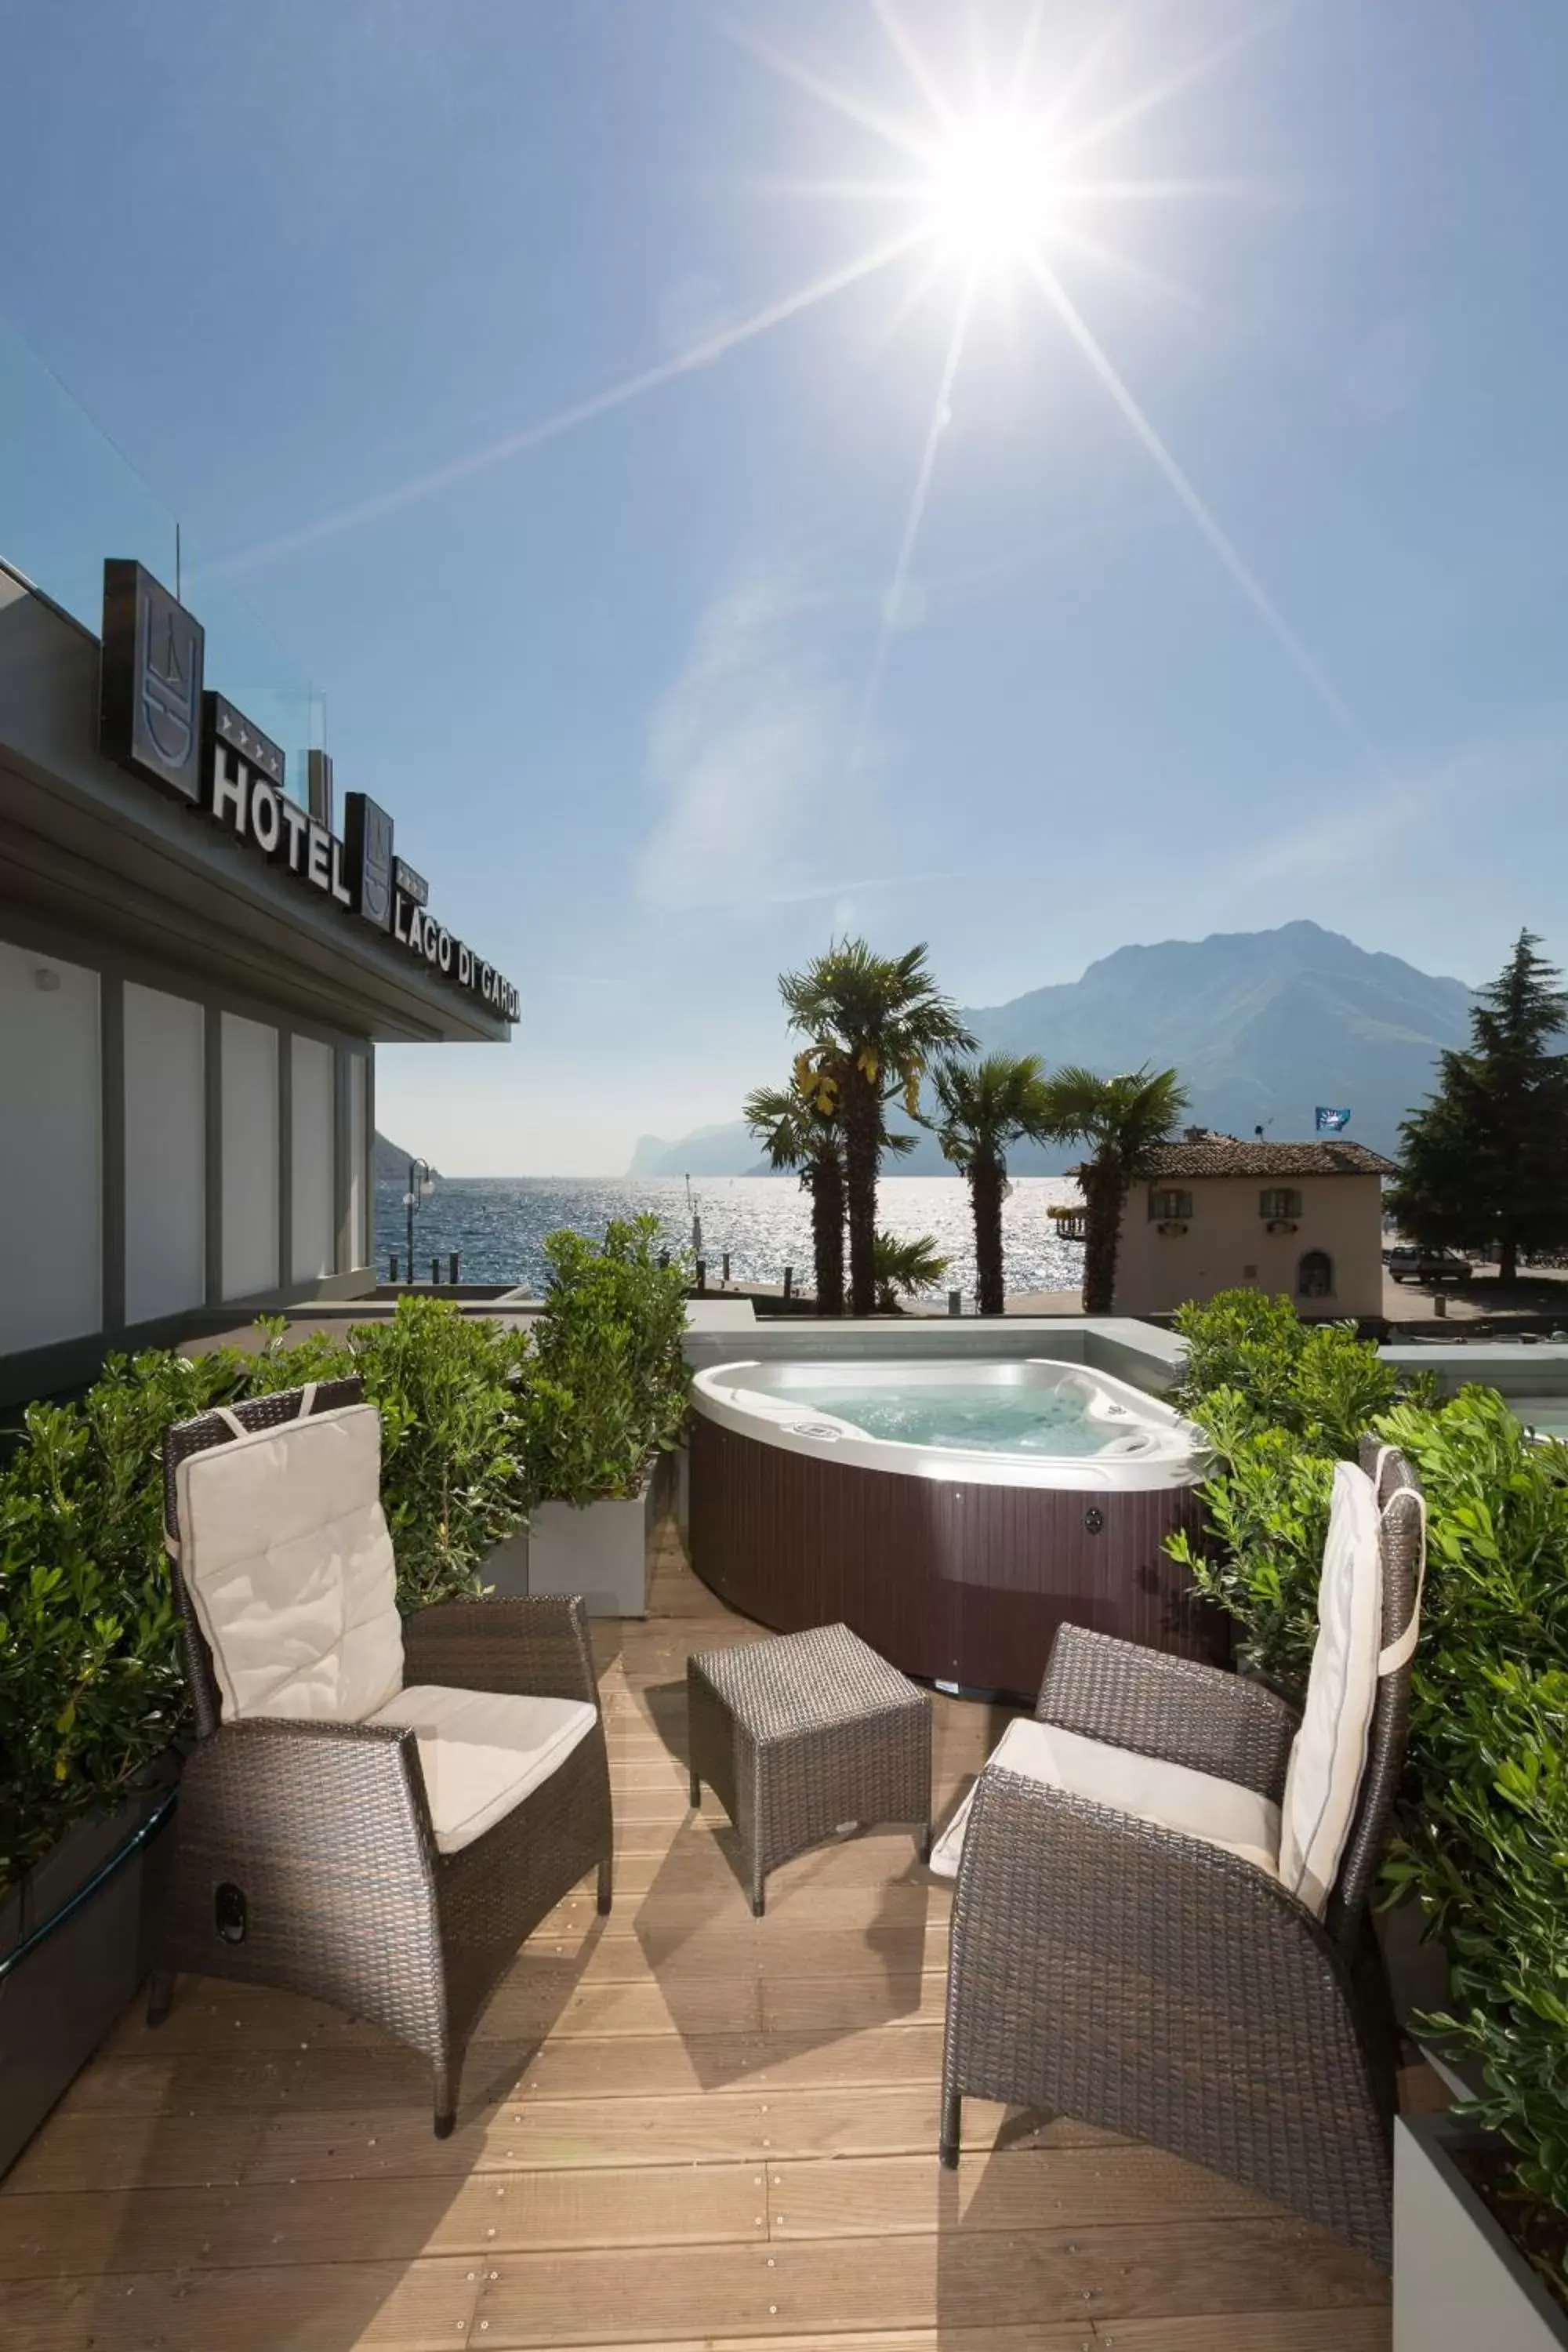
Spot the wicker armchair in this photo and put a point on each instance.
(307, 1855)
(1115, 1970)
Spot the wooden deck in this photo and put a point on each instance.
(682, 2128)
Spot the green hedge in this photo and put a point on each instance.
(607, 1379)
(1484, 1812)
(478, 1423)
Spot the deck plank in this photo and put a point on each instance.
(368, 2221)
(404, 2307)
(815, 2286)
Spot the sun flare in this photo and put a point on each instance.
(1009, 198)
(993, 193)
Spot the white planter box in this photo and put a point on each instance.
(601, 1551)
(505, 1567)
(1458, 2284)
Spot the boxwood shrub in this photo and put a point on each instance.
(1484, 1810)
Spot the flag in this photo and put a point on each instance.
(1331, 1121)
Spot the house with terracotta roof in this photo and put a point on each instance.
(1217, 1213)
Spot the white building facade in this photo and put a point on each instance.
(196, 968)
(1304, 1218)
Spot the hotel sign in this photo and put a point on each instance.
(156, 720)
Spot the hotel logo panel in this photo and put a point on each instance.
(150, 681)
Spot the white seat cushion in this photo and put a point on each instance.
(1198, 1805)
(1327, 1756)
(285, 1553)
(483, 1752)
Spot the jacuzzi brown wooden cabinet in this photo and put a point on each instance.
(954, 1580)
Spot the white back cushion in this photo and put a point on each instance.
(1329, 1754)
(285, 1553)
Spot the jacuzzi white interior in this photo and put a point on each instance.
(1038, 1422)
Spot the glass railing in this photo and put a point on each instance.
(68, 498)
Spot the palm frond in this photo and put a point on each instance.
(904, 1268)
(985, 1106)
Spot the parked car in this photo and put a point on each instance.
(1409, 1263)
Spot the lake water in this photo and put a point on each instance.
(498, 1223)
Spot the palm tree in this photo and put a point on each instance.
(1123, 1121)
(877, 1021)
(797, 1128)
(983, 1107)
(904, 1268)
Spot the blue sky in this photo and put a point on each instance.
(1266, 621)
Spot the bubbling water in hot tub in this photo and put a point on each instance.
(1055, 1421)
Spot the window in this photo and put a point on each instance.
(1315, 1276)
(1169, 1207)
(1279, 1204)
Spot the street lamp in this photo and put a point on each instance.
(421, 1185)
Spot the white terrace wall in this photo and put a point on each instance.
(1227, 1245)
(51, 1150)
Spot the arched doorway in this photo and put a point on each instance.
(1315, 1275)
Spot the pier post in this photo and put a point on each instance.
(726, 1268)
(955, 1302)
(392, 1276)
(452, 1269)
(435, 1273)
(789, 1281)
(701, 1274)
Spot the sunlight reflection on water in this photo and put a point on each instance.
(498, 1223)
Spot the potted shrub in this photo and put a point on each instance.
(454, 1480)
(91, 1703)
(1481, 2195)
(607, 1388)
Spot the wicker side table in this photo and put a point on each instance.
(797, 1735)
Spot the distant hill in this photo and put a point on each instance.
(391, 1161)
(1263, 1026)
(727, 1150)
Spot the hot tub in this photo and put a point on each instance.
(955, 1514)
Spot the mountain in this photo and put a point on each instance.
(730, 1150)
(391, 1161)
(1262, 1025)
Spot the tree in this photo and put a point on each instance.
(797, 1127)
(877, 1022)
(905, 1268)
(1123, 1121)
(983, 1108)
(1486, 1159)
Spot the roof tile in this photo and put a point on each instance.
(1225, 1155)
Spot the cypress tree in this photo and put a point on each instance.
(1485, 1160)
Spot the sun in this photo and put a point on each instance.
(992, 192)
